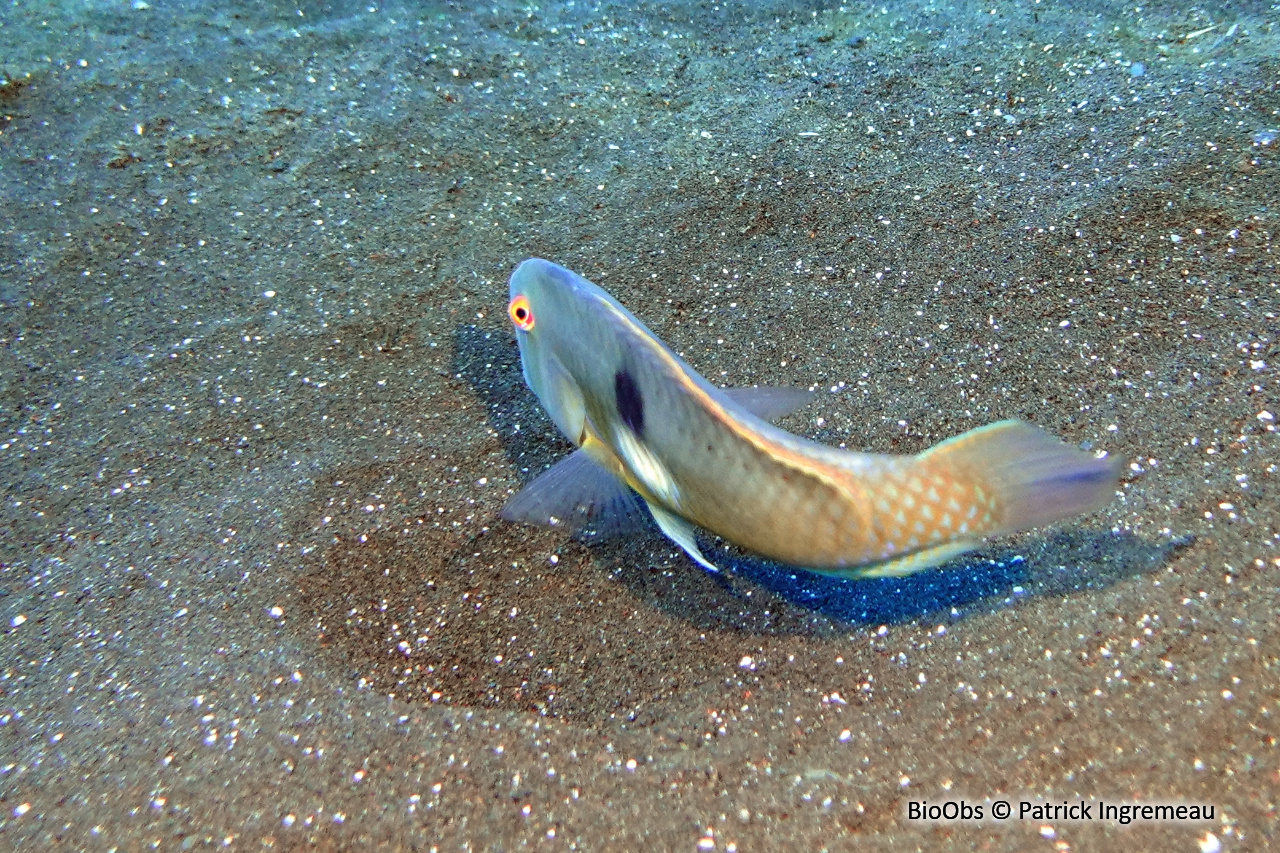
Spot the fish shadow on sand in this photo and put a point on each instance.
(755, 596)
(1062, 563)
(489, 361)
(1059, 563)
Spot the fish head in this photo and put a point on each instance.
(544, 309)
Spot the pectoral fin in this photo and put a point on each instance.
(580, 496)
(680, 532)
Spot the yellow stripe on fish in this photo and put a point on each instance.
(648, 425)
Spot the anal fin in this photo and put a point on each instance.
(908, 564)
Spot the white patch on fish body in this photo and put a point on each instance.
(646, 468)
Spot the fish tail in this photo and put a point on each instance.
(1023, 476)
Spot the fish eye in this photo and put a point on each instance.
(521, 313)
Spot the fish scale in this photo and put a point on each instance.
(699, 456)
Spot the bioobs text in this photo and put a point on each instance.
(949, 810)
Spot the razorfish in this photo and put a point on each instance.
(648, 424)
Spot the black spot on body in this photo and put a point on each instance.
(630, 404)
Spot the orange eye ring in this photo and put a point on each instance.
(521, 313)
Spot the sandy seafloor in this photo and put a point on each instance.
(261, 407)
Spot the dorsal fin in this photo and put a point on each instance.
(769, 403)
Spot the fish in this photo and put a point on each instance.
(653, 434)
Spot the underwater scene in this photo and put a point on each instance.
(270, 399)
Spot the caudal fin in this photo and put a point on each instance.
(1030, 478)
